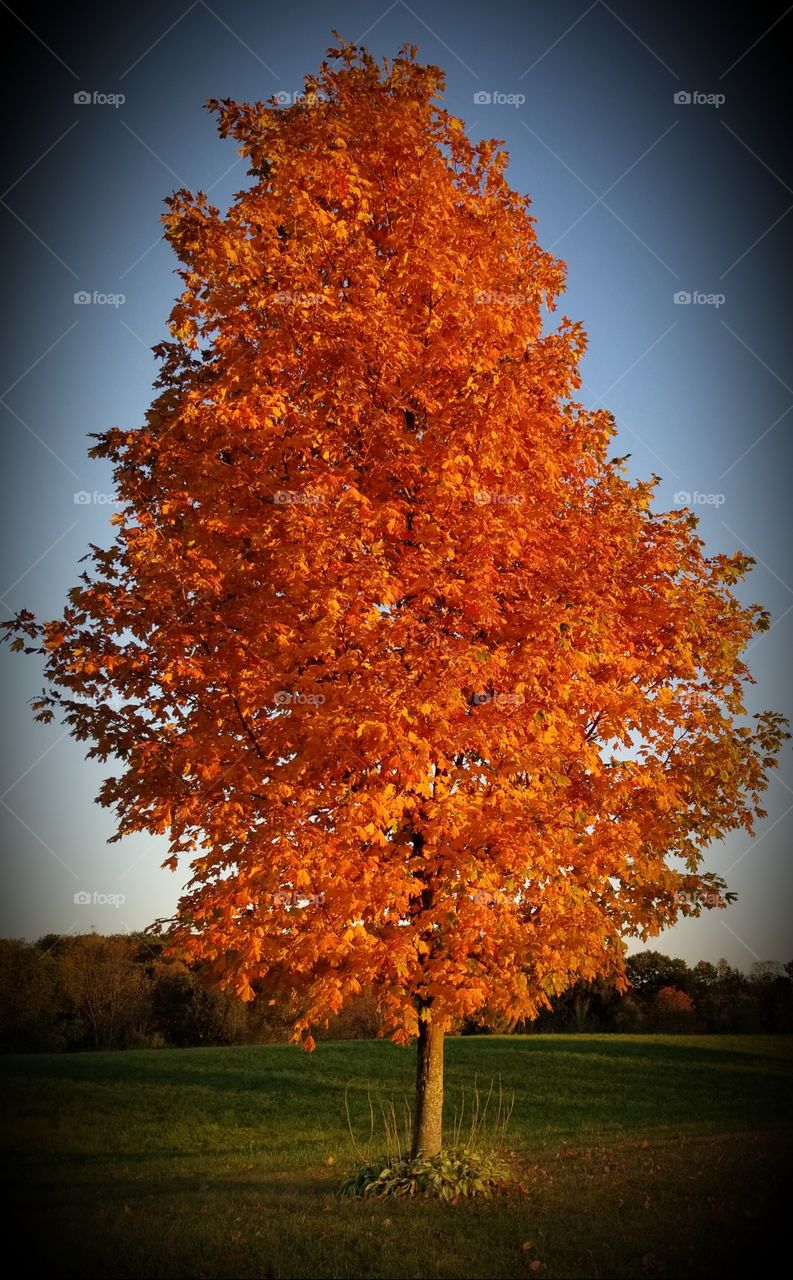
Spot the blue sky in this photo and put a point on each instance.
(645, 197)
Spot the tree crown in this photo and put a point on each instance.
(431, 695)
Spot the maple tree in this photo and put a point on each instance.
(434, 700)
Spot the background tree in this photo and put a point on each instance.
(187, 1011)
(649, 971)
(107, 991)
(433, 698)
(30, 998)
(673, 1010)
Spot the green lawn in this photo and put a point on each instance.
(635, 1156)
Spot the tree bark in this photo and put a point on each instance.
(428, 1115)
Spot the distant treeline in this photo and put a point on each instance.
(123, 992)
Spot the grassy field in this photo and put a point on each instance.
(635, 1156)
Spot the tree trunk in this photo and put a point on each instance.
(428, 1116)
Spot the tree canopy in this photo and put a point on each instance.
(434, 698)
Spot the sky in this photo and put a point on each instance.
(652, 143)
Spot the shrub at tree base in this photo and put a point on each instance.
(453, 1174)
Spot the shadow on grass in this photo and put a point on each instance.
(705, 1211)
(122, 1191)
(639, 1048)
(258, 1069)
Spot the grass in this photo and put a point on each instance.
(635, 1156)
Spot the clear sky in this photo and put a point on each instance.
(646, 197)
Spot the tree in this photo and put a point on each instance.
(433, 698)
(108, 990)
(674, 1010)
(704, 976)
(649, 971)
(187, 1012)
(30, 1004)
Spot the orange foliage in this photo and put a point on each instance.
(433, 697)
